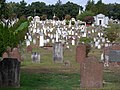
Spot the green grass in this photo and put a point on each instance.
(61, 81)
(48, 75)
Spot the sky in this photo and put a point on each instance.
(79, 2)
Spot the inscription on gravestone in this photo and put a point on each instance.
(58, 52)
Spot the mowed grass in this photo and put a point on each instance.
(48, 75)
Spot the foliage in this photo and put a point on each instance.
(72, 22)
(96, 8)
(90, 5)
(88, 19)
(112, 33)
(84, 14)
(85, 40)
(100, 7)
(113, 10)
(3, 9)
(67, 22)
(12, 36)
(40, 8)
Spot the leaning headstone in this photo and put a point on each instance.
(80, 53)
(58, 52)
(91, 71)
(9, 73)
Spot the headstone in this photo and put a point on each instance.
(91, 73)
(58, 52)
(9, 73)
(27, 42)
(114, 56)
(35, 57)
(5, 55)
(80, 53)
(29, 49)
(73, 42)
(41, 40)
(16, 54)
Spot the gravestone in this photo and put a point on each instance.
(58, 52)
(91, 71)
(15, 54)
(41, 42)
(114, 56)
(35, 56)
(29, 49)
(9, 72)
(5, 55)
(80, 53)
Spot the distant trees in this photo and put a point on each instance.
(40, 8)
(111, 10)
(3, 9)
(60, 10)
(84, 15)
(97, 8)
(112, 33)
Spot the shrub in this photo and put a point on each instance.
(72, 22)
(67, 22)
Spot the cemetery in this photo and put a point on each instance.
(37, 53)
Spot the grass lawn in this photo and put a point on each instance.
(48, 75)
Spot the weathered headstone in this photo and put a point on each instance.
(80, 53)
(91, 71)
(5, 55)
(16, 54)
(114, 56)
(29, 49)
(35, 57)
(9, 72)
(58, 52)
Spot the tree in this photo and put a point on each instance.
(59, 2)
(84, 14)
(12, 36)
(2, 9)
(112, 33)
(21, 9)
(100, 7)
(90, 5)
(89, 19)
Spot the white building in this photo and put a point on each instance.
(101, 20)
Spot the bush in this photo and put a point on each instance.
(67, 22)
(72, 22)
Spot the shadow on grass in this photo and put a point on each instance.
(48, 81)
